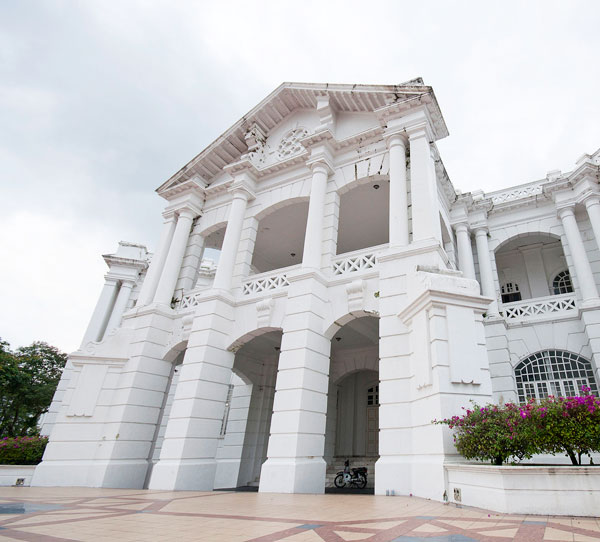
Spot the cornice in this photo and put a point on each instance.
(195, 185)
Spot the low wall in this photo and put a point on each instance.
(527, 489)
(10, 474)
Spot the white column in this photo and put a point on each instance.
(485, 268)
(231, 240)
(398, 191)
(158, 261)
(191, 261)
(313, 238)
(120, 304)
(170, 272)
(101, 312)
(592, 205)
(465, 252)
(583, 269)
(425, 205)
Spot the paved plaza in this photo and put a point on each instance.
(103, 515)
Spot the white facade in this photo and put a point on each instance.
(357, 296)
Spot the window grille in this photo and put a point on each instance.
(373, 395)
(562, 283)
(510, 292)
(226, 413)
(553, 372)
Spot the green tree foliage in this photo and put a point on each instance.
(555, 425)
(28, 379)
(22, 450)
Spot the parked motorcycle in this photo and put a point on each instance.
(351, 477)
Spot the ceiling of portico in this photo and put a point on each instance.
(531, 239)
(358, 333)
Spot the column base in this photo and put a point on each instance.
(195, 475)
(112, 474)
(293, 476)
(411, 475)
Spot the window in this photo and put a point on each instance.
(562, 283)
(226, 413)
(553, 372)
(510, 292)
(373, 395)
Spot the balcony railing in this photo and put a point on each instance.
(540, 307)
(265, 282)
(359, 260)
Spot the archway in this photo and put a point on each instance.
(247, 420)
(352, 429)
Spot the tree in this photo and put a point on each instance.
(28, 379)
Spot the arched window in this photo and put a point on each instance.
(562, 283)
(510, 292)
(553, 372)
(373, 395)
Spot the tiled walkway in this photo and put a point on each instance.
(81, 514)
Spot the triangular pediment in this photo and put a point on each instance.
(291, 112)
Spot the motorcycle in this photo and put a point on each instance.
(356, 478)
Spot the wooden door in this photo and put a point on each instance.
(373, 430)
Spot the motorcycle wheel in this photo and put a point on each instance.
(339, 481)
(362, 481)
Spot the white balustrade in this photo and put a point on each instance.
(516, 193)
(542, 306)
(357, 261)
(264, 283)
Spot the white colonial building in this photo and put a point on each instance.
(358, 295)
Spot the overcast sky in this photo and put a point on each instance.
(101, 101)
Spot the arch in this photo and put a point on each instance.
(553, 372)
(360, 363)
(501, 237)
(342, 320)
(354, 183)
(175, 351)
(248, 336)
(280, 204)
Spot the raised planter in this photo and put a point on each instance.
(526, 489)
(16, 475)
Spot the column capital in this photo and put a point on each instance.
(480, 229)
(566, 209)
(242, 189)
(418, 131)
(322, 163)
(396, 139)
(460, 227)
(591, 199)
(186, 212)
(169, 215)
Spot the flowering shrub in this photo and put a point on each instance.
(569, 425)
(22, 450)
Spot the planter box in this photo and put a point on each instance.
(539, 489)
(11, 475)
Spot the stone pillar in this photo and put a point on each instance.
(485, 268)
(313, 238)
(120, 305)
(295, 461)
(231, 240)
(158, 261)
(536, 272)
(191, 261)
(170, 272)
(592, 205)
(585, 277)
(465, 252)
(398, 192)
(104, 306)
(425, 205)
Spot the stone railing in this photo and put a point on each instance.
(190, 300)
(359, 260)
(515, 193)
(539, 307)
(266, 282)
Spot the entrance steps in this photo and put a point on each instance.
(337, 464)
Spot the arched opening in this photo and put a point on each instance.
(280, 238)
(247, 420)
(352, 429)
(364, 216)
(553, 372)
(528, 267)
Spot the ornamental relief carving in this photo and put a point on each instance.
(290, 143)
